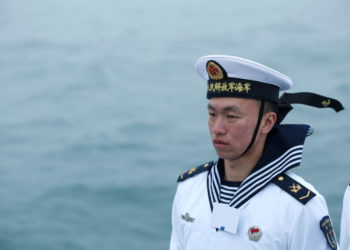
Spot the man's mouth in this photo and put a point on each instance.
(219, 143)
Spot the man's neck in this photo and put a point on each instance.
(238, 170)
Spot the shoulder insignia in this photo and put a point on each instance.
(294, 188)
(195, 171)
(327, 229)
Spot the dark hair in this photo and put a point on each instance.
(270, 107)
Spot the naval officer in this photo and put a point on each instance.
(345, 222)
(249, 199)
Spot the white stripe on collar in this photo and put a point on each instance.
(256, 180)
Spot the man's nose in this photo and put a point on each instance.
(219, 127)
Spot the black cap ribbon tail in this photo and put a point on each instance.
(306, 98)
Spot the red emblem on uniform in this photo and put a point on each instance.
(254, 233)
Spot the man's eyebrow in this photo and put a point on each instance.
(210, 107)
(225, 109)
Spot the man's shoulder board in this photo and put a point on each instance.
(294, 188)
(195, 171)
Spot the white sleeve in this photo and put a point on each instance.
(176, 241)
(345, 222)
(306, 231)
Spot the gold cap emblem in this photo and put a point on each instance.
(215, 72)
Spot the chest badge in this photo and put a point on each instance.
(186, 217)
(254, 233)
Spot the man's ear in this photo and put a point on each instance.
(269, 120)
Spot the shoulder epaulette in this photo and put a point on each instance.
(195, 171)
(294, 188)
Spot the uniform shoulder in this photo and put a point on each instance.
(294, 188)
(194, 171)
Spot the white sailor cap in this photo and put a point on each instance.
(231, 76)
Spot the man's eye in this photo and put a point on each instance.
(211, 114)
(232, 117)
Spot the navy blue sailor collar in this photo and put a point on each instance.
(280, 140)
(282, 152)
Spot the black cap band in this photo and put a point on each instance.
(236, 87)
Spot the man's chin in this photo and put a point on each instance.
(226, 155)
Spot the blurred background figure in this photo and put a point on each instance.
(345, 222)
(93, 132)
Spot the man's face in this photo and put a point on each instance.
(231, 124)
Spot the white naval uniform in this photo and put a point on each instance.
(285, 223)
(345, 222)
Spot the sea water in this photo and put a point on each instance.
(101, 109)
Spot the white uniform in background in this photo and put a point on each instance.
(345, 222)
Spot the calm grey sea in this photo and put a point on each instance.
(101, 109)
